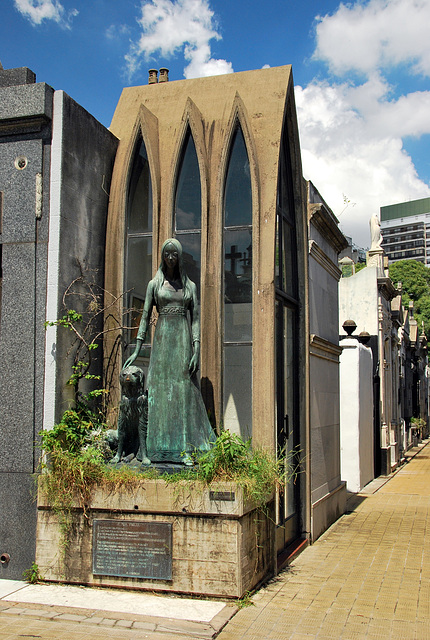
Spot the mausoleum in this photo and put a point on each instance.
(214, 162)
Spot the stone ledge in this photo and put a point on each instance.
(158, 496)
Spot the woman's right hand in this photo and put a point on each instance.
(134, 355)
(130, 360)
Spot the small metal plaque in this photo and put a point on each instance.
(132, 549)
(223, 496)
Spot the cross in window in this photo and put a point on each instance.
(233, 256)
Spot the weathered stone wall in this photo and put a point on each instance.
(55, 167)
(218, 548)
(328, 492)
(83, 152)
(25, 133)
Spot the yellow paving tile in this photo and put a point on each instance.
(370, 571)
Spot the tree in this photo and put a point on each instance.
(415, 279)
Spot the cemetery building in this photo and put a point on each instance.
(365, 298)
(214, 162)
(55, 167)
(406, 230)
(326, 242)
(387, 333)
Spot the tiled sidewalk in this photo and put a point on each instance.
(367, 577)
(71, 612)
(65, 623)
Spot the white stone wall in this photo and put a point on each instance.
(356, 414)
(358, 301)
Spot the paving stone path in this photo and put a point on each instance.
(367, 577)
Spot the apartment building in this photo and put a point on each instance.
(406, 230)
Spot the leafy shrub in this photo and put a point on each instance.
(255, 469)
(32, 575)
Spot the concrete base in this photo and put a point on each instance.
(219, 548)
(328, 510)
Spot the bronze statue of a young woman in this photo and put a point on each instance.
(177, 418)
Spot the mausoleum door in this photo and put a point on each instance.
(288, 438)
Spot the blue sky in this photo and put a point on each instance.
(361, 70)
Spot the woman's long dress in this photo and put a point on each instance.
(177, 418)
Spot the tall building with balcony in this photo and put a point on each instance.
(406, 231)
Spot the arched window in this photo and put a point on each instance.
(188, 209)
(287, 308)
(138, 250)
(238, 290)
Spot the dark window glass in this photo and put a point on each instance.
(139, 219)
(188, 210)
(238, 389)
(191, 248)
(138, 250)
(238, 285)
(286, 279)
(285, 247)
(139, 265)
(238, 290)
(188, 200)
(238, 197)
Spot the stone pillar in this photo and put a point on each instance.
(356, 414)
(375, 258)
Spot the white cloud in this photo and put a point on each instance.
(116, 31)
(351, 141)
(378, 34)
(351, 133)
(172, 25)
(38, 10)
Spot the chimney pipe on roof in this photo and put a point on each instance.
(153, 79)
(164, 75)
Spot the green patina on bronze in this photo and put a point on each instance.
(177, 418)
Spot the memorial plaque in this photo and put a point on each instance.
(225, 496)
(132, 549)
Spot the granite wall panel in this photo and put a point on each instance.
(17, 523)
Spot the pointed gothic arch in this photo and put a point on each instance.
(237, 279)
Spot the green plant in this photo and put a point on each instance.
(415, 279)
(418, 423)
(71, 434)
(255, 469)
(245, 601)
(75, 466)
(359, 266)
(32, 575)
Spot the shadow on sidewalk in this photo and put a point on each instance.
(353, 501)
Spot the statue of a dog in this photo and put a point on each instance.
(133, 417)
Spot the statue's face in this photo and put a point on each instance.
(170, 256)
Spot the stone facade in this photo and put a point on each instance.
(328, 491)
(53, 156)
(400, 384)
(356, 414)
(259, 106)
(269, 351)
(218, 548)
(25, 135)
